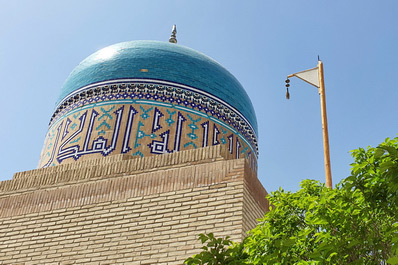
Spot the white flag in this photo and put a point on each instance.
(310, 76)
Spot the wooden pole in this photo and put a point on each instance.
(325, 133)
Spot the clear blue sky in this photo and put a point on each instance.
(260, 42)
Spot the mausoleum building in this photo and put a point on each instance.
(150, 144)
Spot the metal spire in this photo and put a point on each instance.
(173, 38)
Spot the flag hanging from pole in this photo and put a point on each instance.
(310, 76)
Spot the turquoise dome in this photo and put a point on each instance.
(163, 61)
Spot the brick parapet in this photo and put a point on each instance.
(110, 166)
(117, 185)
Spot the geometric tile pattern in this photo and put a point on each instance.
(143, 119)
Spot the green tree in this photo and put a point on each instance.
(218, 251)
(354, 223)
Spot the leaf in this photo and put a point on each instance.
(386, 165)
(203, 238)
(379, 152)
(391, 150)
(393, 260)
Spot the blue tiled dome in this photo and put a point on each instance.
(162, 61)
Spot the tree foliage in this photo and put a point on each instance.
(354, 223)
(218, 251)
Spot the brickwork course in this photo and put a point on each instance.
(124, 210)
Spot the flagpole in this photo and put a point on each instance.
(325, 133)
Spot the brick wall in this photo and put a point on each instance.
(135, 212)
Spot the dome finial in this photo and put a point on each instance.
(173, 38)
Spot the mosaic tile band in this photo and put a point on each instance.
(159, 92)
(113, 127)
(143, 119)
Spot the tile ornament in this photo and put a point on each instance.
(143, 117)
